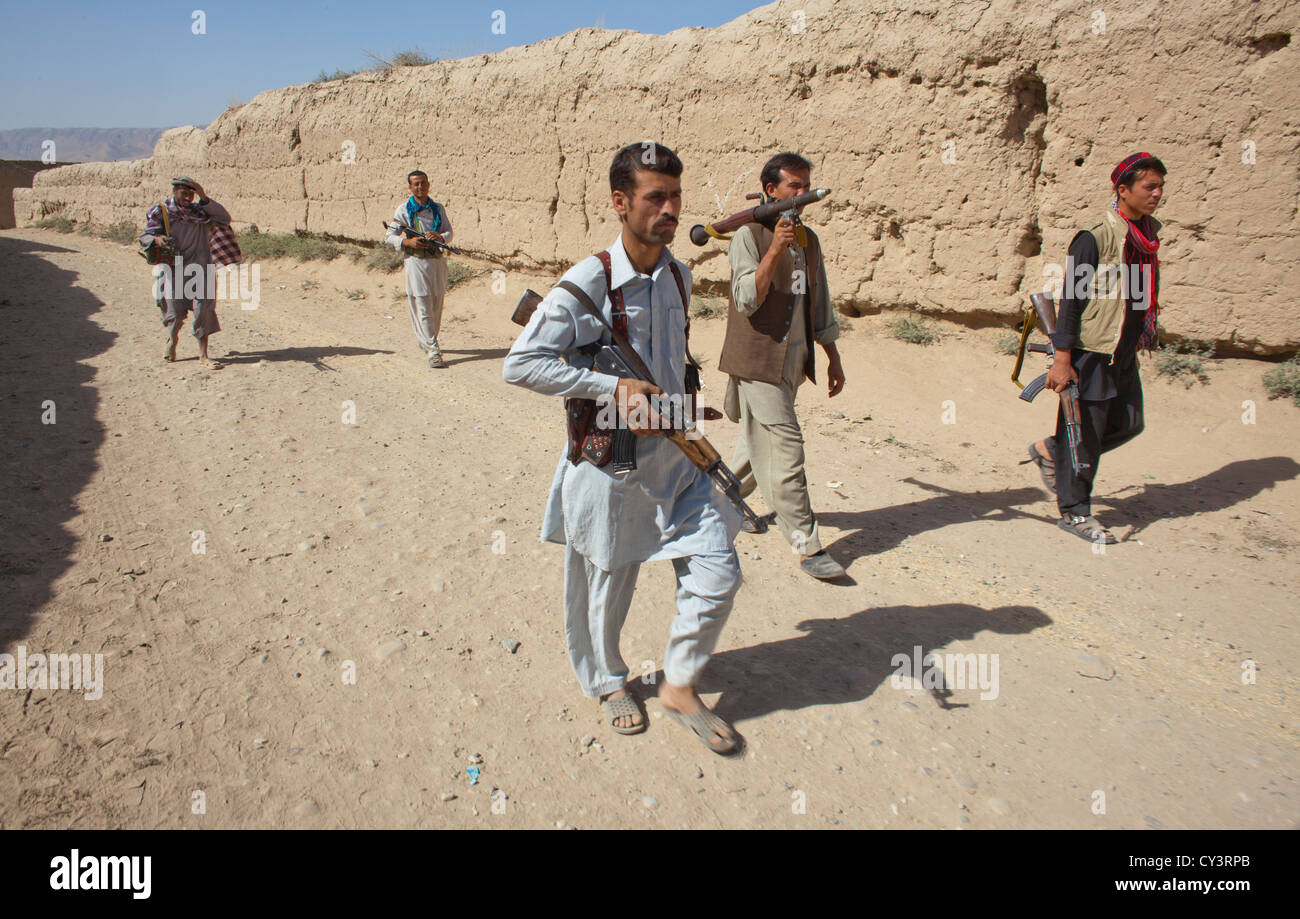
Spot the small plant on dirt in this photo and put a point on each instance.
(413, 58)
(324, 77)
(708, 307)
(1183, 362)
(383, 258)
(355, 293)
(288, 245)
(1008, 343)
(457, 274)
(905, 328)
(58, 223)
(124, 232)
(1284, 380)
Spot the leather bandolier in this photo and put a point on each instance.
(589, 439)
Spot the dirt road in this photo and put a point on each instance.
(302, 620)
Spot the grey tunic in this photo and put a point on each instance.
(193, 243)
(665, 508)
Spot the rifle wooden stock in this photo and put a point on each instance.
(702, 454)
(526, 306)
(1045, 312)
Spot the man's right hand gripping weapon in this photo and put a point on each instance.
(1044, 309)
(621, 360)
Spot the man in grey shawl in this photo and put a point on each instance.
(186, 281)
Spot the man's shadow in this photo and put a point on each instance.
(314, 356)
(837, 661)
(884, 528)
(1214, 491)
(476, 354)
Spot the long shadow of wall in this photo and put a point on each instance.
(846, 660)
(46, 333)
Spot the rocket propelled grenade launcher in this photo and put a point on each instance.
(768, 214)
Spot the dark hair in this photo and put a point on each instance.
(415, 172)
(622, 172)
(791, 162)
(1130, 175)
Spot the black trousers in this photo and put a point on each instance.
(1105, 424)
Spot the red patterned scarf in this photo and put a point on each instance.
(1140, 250)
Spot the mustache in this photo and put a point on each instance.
(667, 221)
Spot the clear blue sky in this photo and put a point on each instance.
(138, 63)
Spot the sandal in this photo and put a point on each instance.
(705, 725)
(1087, 528)
(1046, 467)
(620, 706)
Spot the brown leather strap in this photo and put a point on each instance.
(619, 314)
(686, 310)
(686, 307)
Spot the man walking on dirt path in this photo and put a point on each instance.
(426, 267)
(196, 230)
(610, 518)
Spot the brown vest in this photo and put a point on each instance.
(755, 346)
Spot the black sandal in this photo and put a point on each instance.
(1088, 528)
(1046, 467)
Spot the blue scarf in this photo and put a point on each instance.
(413, 208)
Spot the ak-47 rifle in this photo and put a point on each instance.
(621, 360)
(768, 214)
(1044, 308)
(435, 245)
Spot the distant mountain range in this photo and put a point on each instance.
(79, 145)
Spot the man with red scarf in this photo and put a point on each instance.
(1107, 314)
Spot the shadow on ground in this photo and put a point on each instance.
(837, 661)
(314, 356)
(476, 354)
(46, 333)
(881, 529)
(1236, 482)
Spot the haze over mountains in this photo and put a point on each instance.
(79, 145)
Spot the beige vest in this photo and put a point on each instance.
(1102, 320)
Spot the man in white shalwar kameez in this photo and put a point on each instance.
(664, 509)
(426, 270)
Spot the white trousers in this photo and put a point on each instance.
(596, 603)
(426, 319)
